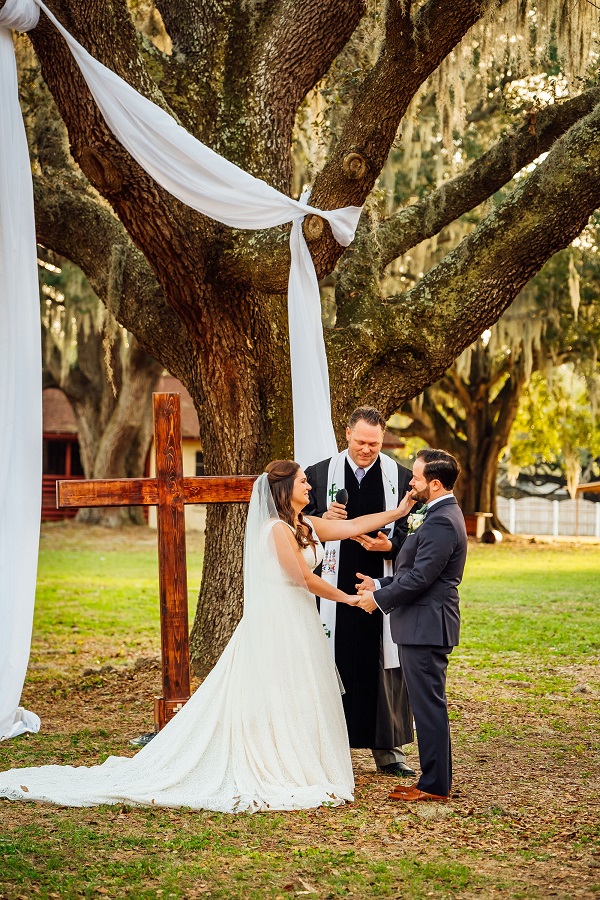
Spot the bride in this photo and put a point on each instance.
(266, 729)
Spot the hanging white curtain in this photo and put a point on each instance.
(203, 180)
(20, 398)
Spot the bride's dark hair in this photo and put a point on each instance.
(281, 474)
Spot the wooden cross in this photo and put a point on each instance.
(169, 491)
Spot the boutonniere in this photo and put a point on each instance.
(416, 519)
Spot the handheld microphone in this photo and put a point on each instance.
(342, 496)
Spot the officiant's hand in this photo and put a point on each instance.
(366, 582)
(366, 601)
(336, 511)
(381, 543)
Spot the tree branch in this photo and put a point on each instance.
(398, 28)
(454, 385)
(481, 277)
(73, 223)
(481, 179)
(297, 45)
(409, 340)
(192, 26)
(438, 429)
(111, 38)
(408, 57)
(508, 398)
(199, 32)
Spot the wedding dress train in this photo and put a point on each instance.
(266, 728)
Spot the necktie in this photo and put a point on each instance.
(360, 474)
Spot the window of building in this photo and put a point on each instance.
(55, 457)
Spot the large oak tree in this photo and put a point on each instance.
(209, 302)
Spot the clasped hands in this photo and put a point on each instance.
(381, 543)
(364, 597)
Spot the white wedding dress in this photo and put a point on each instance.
(266, 728)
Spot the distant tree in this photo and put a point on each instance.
(470, 412)
(556, 424)
(106, 375)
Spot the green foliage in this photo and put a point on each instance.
(523, 608)
(555, 424)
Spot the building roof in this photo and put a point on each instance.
(57, 413)
(58, 416)
(167, 384)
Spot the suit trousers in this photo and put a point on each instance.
(424, 670)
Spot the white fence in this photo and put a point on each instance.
(535, 515)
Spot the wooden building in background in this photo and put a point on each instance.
(61, 459)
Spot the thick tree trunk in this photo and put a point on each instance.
(121, 447)
(243, 396)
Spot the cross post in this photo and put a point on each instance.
(169, 491)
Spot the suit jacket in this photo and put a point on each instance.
(422, 595)
(319, 502)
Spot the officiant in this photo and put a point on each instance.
(364, 481)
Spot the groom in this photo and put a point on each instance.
(421, 599)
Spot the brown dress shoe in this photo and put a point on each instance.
(402, 788)
(410, 794)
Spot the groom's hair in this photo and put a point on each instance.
(440, 465)
(367, 414)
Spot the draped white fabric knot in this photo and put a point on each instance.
(20, 15)
(198, 177)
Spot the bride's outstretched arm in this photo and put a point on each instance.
(340, 529)
(294, 564)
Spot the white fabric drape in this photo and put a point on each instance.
(203, 180)
(20, 396)
(207, 182)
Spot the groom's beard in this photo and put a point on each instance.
(421, 496)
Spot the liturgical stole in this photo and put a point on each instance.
(330, 568)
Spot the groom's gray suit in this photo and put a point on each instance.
(422, 601)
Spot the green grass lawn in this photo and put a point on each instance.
(524, 688)
(97, 595)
